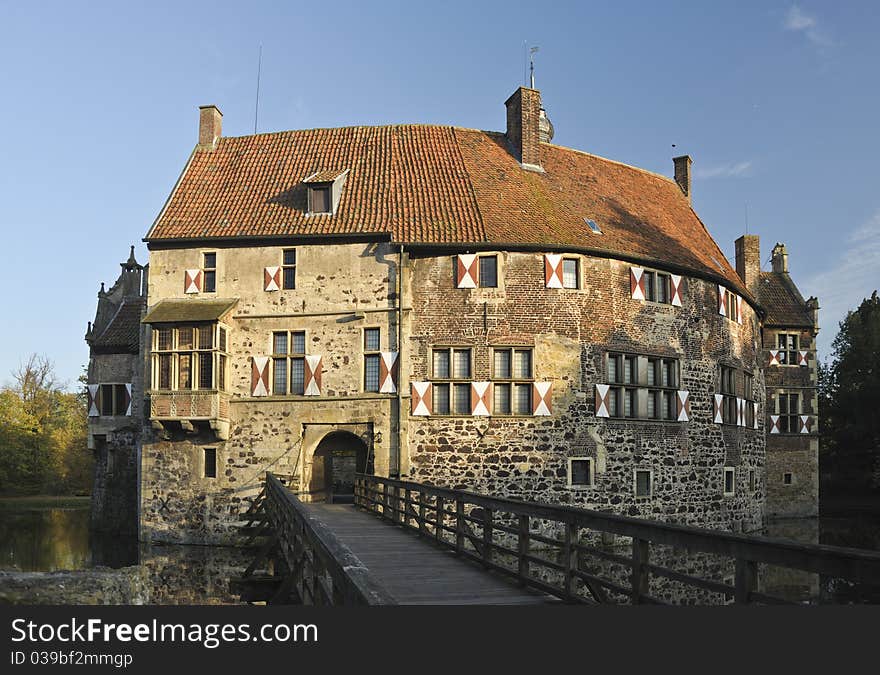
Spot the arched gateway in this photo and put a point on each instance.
(339, 455)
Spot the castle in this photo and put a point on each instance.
(475, 309)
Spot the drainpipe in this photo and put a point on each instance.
(400, 434)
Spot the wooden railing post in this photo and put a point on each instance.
(438, 522)
(640, 556)
(523, 541)
(488, 549)
(385, 500)
(406, 507)
(746, 580)
(569, 559)
(423, 526)
(459, 526)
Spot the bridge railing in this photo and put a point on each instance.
(321, 570)
(564, 551)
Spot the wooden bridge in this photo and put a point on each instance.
(408, 543)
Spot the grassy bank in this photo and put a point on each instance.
(43, 502)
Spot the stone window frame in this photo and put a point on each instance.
(650, 492)
(790, 475)
(789, 416)
(219, 361)
(289, 357)
(728, 471)
(512, 381)
(371, 354)
(641, 390)
(453, 383)
(591, 472)
(788, 356)
(285, 267)
(651, 288)
(206, 271)
(116, 388)
(205, 464)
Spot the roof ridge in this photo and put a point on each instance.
(612, 161)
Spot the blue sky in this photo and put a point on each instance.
(776, 102)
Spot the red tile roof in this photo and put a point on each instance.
(784, 304)
(424, 184)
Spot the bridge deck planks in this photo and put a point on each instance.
(415, 571)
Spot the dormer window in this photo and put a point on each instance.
(325, 191)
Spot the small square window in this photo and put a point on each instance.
(489, 271)
(643, 483)
(570, 273)
(319, 199)
(787, 478)
(580, 472)
(729, 481)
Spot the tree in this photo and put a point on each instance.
(849, 390)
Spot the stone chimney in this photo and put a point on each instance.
(524, 127)
(683, 174)
(210, 125)
(813, 309)
(780, 258)
(748, 260)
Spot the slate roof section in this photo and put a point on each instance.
(424, 184)
(783, 302)
(177, 311)
(122, 335)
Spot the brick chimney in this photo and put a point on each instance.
(524, 127)
(683, 174)
(748, 260)
(780, 258)
(210, 125)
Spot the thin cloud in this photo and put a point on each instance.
(798, 21)
(843, 287)
(737, 170)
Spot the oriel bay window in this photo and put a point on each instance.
(735, 402)
(189, 357)
(788, 408)
(642, 387)
(788, 349)
(288, 362)
(451, 369)
(512, 380)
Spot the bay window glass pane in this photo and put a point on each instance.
(279, 377)
(184, 368)
(523, 395)
(298, 343)
(440, 399)
(502, 364)
(461, 367)
(185, 338)
(164, 371)
(501, 396)
(206, 337)
(221, 373)
(297, 376)
(371, 372)
(222, 333)
(206, 370)
(570, 273)
(462, 399)
(441, 363)
(163, 339)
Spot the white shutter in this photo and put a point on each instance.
(542, 399)
(553, 270)
(259, 376)
(313, 375)
(466, 271)
(192, 281)
(683, 406)
(271, 278)
(128, 400)
(93, 400)
(420, 399)
(481, 398)
(637, 283)
(601, 396)
(675, 281)
(719, 406)
(388, 372)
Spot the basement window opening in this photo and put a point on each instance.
(729, 481)
(644, 482)
(210, 462)
(787, 478)
(580, 472)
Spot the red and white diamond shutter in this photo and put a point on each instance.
(94, 410)
(637, 283)
(603, 392)
(806, 424)
(739, 309)
(553, 270)
(313, 375)
(774, 357)
(271, 278)
(774, 424)
(675, 281)
(683, 406)
(755, 414)
(259, 376)
(420, 399)
(542, 399)
(127, 400)
(481, 398)
(802, 358)
(466, 271)
(718, 417)
(192, 281)
(722, 300)
(388, 373)
(740, 412)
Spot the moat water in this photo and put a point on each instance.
(54, 539)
